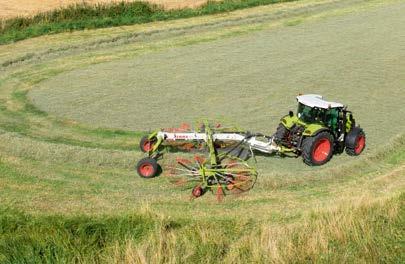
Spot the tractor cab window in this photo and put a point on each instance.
(331, 118)
(308, 114)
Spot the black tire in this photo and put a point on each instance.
(143, 143)
(355, 141)
(280, 134)
(147, 168)
(310, 149)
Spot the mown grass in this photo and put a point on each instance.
(17, 122)
(31, 121)
(85, 16)
(193, 74)
(369, 231)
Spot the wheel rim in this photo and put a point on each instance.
(361, 142)
(321, 150)
(147, 145)
(197, 191)
(146, 170)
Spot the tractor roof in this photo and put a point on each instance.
(315, 100)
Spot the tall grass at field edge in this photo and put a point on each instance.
(86, 16)
(367, 232)
(56, 239)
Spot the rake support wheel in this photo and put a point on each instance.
(147, 168)
(197, 191)
(146, 144)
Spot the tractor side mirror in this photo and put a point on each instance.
(291, 113)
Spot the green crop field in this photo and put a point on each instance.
(73, 107)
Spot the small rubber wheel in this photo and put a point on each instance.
(317, 150)
(197, 191)
(146, 144)
(355, 141)
(147, 168)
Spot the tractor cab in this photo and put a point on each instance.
(314, 109)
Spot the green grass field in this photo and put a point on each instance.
(74, 105)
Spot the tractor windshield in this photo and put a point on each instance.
(329, 117)
(306, 113)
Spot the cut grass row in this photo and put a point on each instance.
(63, 179)
(85, 16)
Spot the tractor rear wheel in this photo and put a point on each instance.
(317, 150)
(355, 141)
(146, 144)
(147, 168)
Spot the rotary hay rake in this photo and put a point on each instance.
(229, 176)
(223, 171)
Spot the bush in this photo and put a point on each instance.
(85, 16)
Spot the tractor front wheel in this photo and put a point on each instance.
(280, 133)
(317, 150)
(147, 168)
(355, 141)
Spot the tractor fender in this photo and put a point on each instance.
(313, 129)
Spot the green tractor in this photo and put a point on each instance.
(319, 130)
